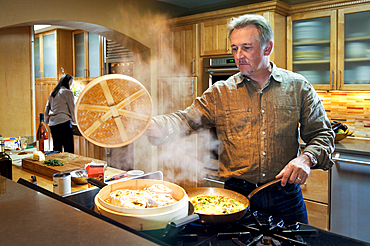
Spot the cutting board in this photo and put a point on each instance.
(71, 162)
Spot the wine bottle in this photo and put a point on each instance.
(5, 162)
(42, 136)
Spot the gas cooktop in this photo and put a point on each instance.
(254, 229)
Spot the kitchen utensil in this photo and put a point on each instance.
(113, 110)
(118, 176)
(79, 176)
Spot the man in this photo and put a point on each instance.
(259, 114)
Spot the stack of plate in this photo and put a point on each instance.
(307, 52)
(307, 31)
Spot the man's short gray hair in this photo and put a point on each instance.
(265, 31)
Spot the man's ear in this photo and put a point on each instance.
(268, 49)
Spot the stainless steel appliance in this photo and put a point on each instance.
(216, 69)
(350, 196)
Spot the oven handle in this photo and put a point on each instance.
(221, 70)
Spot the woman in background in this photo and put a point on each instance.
(59, 114)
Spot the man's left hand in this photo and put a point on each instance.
(296, 171)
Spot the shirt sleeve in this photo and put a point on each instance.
(316, 130)
(47, 110)
(71, 105)
(194, 118)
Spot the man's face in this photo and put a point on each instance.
(249, 56)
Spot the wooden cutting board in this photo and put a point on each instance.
(71, 162)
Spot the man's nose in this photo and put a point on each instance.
(239, 54)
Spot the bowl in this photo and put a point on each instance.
(79, 176)
(342, 135)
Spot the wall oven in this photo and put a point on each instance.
(216, 69)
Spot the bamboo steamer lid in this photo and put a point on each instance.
(113, 110)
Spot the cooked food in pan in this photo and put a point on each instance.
(216, 205)
(157, 195)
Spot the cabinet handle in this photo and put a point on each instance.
(227, 42)
(331, 78)
(192, 86)
(339, 78)
(193, 66)
(40, 87)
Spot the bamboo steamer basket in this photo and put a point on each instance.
(113, 110)
(146, 218)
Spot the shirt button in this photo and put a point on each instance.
(262, 111)
(263, 133)
(263, 174)
(263, 153)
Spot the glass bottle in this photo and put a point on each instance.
(42, 136)
(5, 162)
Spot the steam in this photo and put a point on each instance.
(180, 160)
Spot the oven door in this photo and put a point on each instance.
(212, 75)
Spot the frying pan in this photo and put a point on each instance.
(225, 218)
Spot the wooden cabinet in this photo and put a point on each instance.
(87, 56)
(214, 38)
(330, 48)
(52, 58)
(177, 52)
(316, 195)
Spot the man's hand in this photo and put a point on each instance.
(296, 171)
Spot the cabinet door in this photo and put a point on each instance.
(177, 159)
(311, 47)
(37, 56)
(354, 48)
(214, 38)
(177, 52)
(49, 55)
(87, 56)
(94, 55)
(79, 58)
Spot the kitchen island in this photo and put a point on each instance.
(29, 217)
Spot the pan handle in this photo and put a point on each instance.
(96, 182)
(262, 187)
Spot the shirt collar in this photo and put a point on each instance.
(275, 74)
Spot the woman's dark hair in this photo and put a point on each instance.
(64, 81)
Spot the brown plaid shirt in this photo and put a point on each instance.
(258, 128)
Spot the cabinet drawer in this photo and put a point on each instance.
(318, 214)
(316, 187)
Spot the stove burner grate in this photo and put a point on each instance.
(270, 233)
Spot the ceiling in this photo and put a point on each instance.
(189, 7)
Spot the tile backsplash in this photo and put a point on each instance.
(351, 108)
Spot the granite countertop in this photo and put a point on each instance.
(29, 217)
(353, 145)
